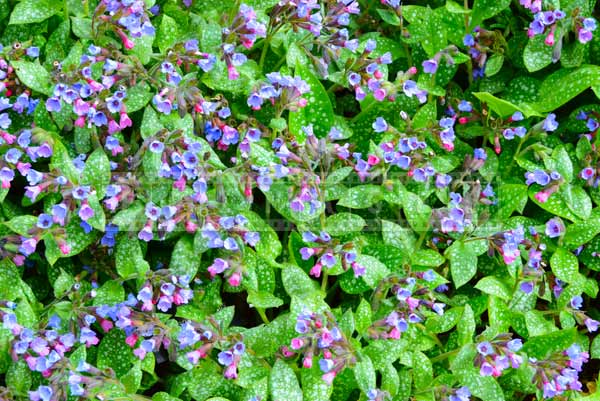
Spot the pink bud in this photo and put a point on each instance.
(80, 122)
(378, 74)
(190, 227)
(412, 70)
(131, 340)
(542, 196)
(64, 248)
(550, 39)
(307, 362)
(328, 377)
(463, 120)
(234, 279)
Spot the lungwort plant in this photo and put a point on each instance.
(299, 200)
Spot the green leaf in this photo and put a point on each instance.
(97, 172)
(18, 378)
(494, 64)
(184, 259)
(398, 236)
(362, 316)
(561, 162)
(150, 123)
(168, 33)
(494, 286)
(133, 378)
(33, 75)
(484, 9)
(138, 97)
(565, 266)
(466, 326)
(283, 383)
(361, 197)
(129, 258)
(114, 353)
(109, 293)
(422, 370)
(416, 211)
(375, 271)
(364, 373)
(318, 110)
(30, 11)
(314, 387)
(142, 48)
(263, 299)
(579, 233)
(62, 162)
(427, 257)
(341, 224)
(502, 107)
(22, 224)
(389, 16)
(296, 282)
(542, 346)
(564, 85)
(463, 263)
(537, 54)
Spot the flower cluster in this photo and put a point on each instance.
(414, 300)
(320, 336)
(126, 15)
(327, 250)
(288, 92)
(500, 354)
(560, 371)
(164, 293)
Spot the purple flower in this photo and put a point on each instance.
(576, 302)
(380, 125)
(555, 227)
(591, 324)
(550, 123)
(485, 348)
(225, 358)
(430, 66)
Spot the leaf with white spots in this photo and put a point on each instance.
(33, 75)
(541, 346)
(129, 258)
(314, 387)
(283, 383)
(114, 353)
(97, 172)
(21, 224)
(494, 286)
(364, 373)
(296, 282)
(18, 378)
(318, 110)
(537, 54)
(138, 96)
(375, 271)
(484, 9)
(565, 266)
(76, 239)
(463, 262)
(168, 33)
(150, 123)
(579, 233)
(563, 85)
(343, 224)
(184, 261)
(30, 11)
(361, 197)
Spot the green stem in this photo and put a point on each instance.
(263, 315)
(265, 49)
(445, 355)
(66, 9)
(324, 282)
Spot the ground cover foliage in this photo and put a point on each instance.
(299, 200)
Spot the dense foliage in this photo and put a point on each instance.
(297, 200)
